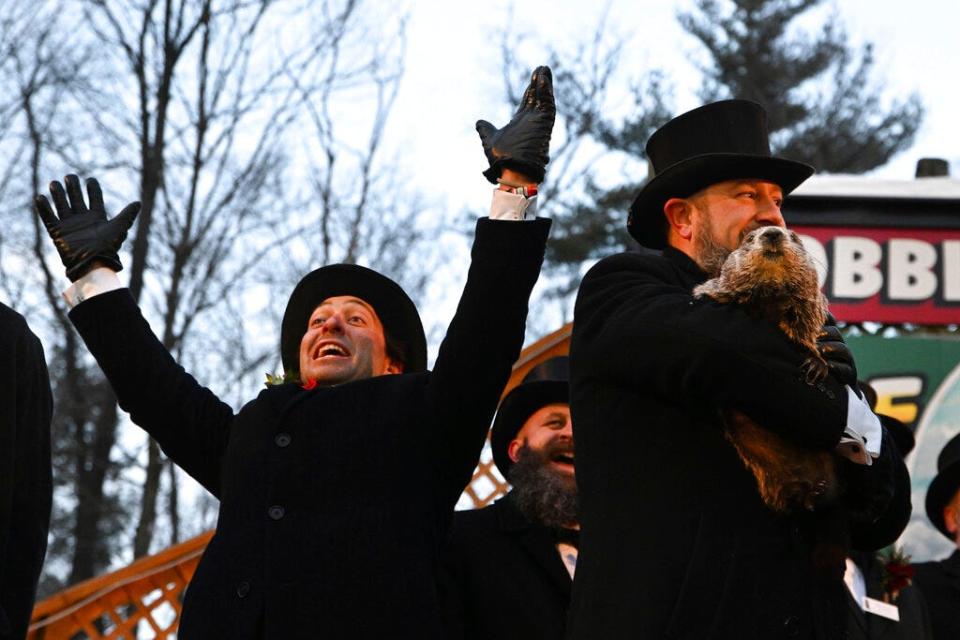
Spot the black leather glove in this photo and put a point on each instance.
(523, 145)
(83, 235)
(834, 350)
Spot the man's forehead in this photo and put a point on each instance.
(341, 301)
(548, 411)
(727, 185)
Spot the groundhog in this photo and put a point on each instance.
(773, 277)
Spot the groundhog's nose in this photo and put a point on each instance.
(772, 235)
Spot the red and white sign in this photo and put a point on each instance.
(886, 275)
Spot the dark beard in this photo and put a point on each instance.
(709, 255)
(541, 494)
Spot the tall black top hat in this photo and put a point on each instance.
(547, 383)
(714, 143)
(945, 485)
(397, 313)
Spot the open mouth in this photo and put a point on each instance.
(563, 458)
(330, 350)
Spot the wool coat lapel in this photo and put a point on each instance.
(537, 542)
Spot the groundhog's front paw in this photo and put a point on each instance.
(814, 369)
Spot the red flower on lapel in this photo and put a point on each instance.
(309, 384)
(898, 573)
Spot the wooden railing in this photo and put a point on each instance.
(145, 597)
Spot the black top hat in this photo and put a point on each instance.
(397, 313)
(945, 485)
(900, 433)
(547, 383)
(714, 143)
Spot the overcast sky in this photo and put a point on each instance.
(453, 77)
(453, 66)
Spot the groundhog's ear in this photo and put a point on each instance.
(679, 214)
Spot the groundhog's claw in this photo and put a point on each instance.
(814, 370)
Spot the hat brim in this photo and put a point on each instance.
(682, 179)
(941, 491)
(522, 402)
(393, 307)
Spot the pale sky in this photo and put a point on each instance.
(453, 67)
(453, 77)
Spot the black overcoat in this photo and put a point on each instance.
(334, 502)
(939, 581)
(675, 541)
(25, 482)
(502, 577)
(914, 623)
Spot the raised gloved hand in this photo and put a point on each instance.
(84, 235)
(523, 145)
(834, 350)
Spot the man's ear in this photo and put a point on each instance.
(951, 519)
(513, 449)
(393, 367)
(679, 214)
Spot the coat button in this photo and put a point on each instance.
(282, 439)
(243, 589)
(792, 626)
(276, 512)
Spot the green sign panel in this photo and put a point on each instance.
(917, 379)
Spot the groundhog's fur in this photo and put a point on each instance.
(772, 276)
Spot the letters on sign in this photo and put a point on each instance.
(888, 275)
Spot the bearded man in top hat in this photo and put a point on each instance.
(939, 580)
(675, 540)
(336, 490)
(508, 569)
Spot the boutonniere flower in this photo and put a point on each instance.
(274, 380)
(897, 572)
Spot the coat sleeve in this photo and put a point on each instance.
(877, 498)
(25, 507)
(452, 597)
(482, 342)
(189, 422)
(636, 326)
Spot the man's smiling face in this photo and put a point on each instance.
(344, 341)
(549, 434)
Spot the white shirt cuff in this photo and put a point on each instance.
(93, 283)
(512, 206)
(863, 434)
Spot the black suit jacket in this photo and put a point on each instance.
(334, 502)
(914, 623)
(939, 582)
(25, 483)
(502, 577)
(675, 541)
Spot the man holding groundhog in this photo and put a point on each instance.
(675, 539)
